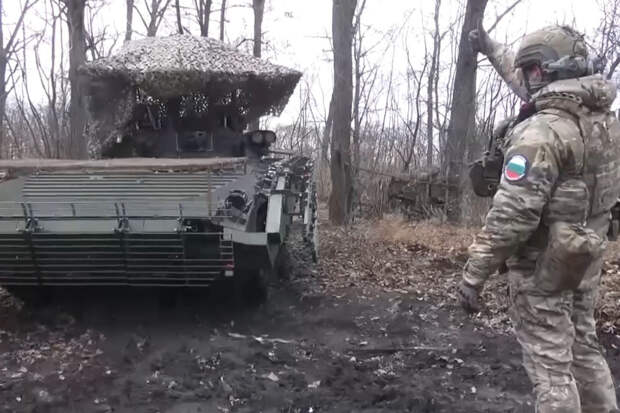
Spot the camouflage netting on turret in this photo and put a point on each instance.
(168, 68)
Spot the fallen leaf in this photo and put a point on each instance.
(271, 376)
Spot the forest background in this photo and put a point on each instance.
(411, 104)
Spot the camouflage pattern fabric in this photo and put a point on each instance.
(503, 60)
(181, 64)
(548, 222)
(172, 67)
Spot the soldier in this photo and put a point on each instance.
(550, 216)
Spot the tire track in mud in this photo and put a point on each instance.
(297, 352)
(307, 349)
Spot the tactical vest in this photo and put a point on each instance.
(589, 185)
(587, 188)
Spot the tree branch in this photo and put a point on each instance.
(501, 16)
(27, 6)
(613, 67)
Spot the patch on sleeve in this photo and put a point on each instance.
(516, 168)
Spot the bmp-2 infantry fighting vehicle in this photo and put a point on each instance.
(175, 193)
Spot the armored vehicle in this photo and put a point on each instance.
(421, 194)
(175, 193)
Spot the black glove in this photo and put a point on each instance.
(468, 297)
(480, 41)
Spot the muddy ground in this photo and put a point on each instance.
(313, 346)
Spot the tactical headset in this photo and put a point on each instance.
(574, 66)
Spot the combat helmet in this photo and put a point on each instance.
(559, 51)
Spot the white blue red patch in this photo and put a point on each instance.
(516, 168)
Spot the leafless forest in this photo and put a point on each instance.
(412, 117)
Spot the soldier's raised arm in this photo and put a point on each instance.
(502, 59)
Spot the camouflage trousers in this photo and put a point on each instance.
(561, 353)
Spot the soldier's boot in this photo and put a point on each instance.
(594, 380)
(557, 399)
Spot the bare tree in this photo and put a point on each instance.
(461, 128)
(203, 15)
(327, 130)
(155, 13)
(177, 6)
(443, 109)
(382, 130)
(503, 14)
(129, 22)
(303, 136)
(100, 42)
(609, 34)
(258, 6)
(40, 127)
(342, 32)
(77, 57)
(8, 49)
(359, 71)
(52, 133)
(433, 75)
(222, 20)
(414, 91)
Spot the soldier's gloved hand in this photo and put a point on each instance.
(468, 297)
(480, 41)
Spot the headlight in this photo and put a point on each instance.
(257, 137)
(270, 137)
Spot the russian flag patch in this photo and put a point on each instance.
(516, 168)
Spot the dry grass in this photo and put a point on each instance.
(426, 258)
(432, 234)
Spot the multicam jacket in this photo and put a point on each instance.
(503, 59)
(562, 165)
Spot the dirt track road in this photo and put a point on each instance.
(298, 353)
(306, 350)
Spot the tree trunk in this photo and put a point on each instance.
(3, 64)
(222, 20)
(430, 86)
(77, 57)
(342, 32)
(129, 24)
(327, 132)
(259, 8)
(3, 96)
(461, 127)
(358, 55)
(357, 121)
(151, 29)
(177, 6)
(204, 16)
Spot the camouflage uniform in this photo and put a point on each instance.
(503, 60)
(559, 182)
